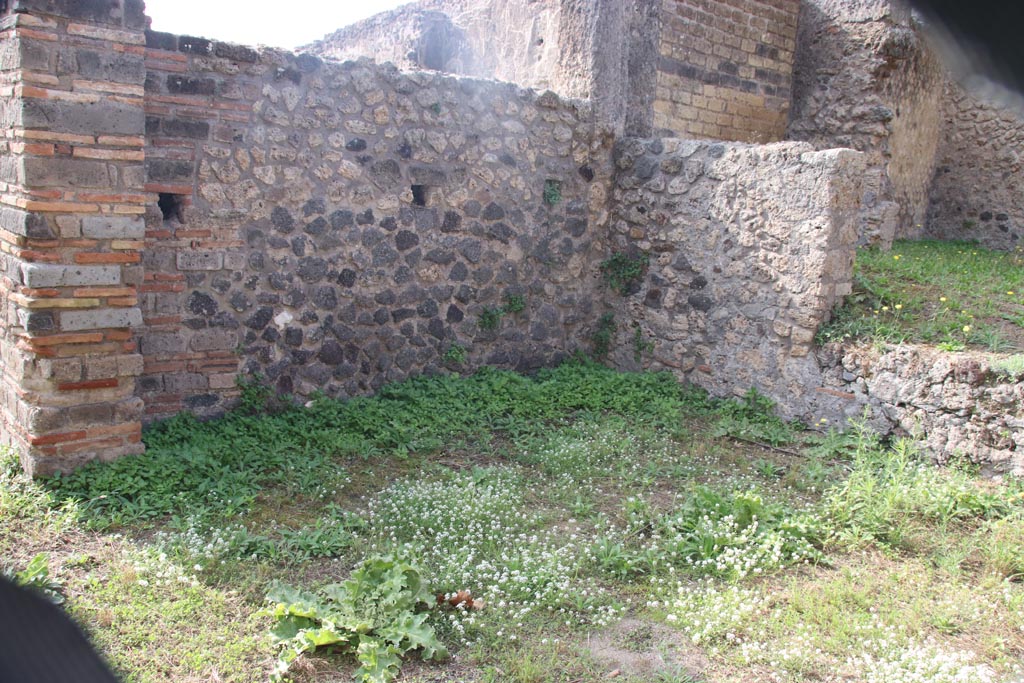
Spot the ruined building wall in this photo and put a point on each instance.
(724, 69)
(601, 50)
(855, 73)
(346, 225)
(179, 212)
(13, 410)
(976, 193)
(716, 69)
(866, 79)
(750, 248)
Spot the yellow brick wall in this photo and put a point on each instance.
(725, 68)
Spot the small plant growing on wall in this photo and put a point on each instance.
(623, 272)
(552, 192)
(489, 318)
(640, 345)
(456, 353)
(255, 397)
(514, 303)
(601, 339)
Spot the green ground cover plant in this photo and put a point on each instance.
(497, 527)
(955, 295)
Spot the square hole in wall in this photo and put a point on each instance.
(172, 206)
(421, 195)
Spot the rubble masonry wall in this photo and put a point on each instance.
(346, 225)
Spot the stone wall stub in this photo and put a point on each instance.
(750, 247)
(72, 228)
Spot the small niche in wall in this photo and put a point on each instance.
(172, 206)
(421, 195)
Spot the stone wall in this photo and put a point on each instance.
(867, 79)
(70, 229)
(725, 68)
(749, 247)
(954, 404)
(336, 227)
(976, 192)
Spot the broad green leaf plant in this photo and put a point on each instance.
(378, 615)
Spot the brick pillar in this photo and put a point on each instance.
(71, 229)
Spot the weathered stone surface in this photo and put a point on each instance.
(406, 239)
(55, 172)
(952, 404)
(169, 170)
(113, 227)
(129, 14)
(201, 304)
(112, 118)
(186, 85)
(974, 194)
(200, 260)
(26, 224)
(48, 275)
(73, 321)
(493, 212)
(110, 67)
(213, 340)
(282, 219)
(182, 128)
